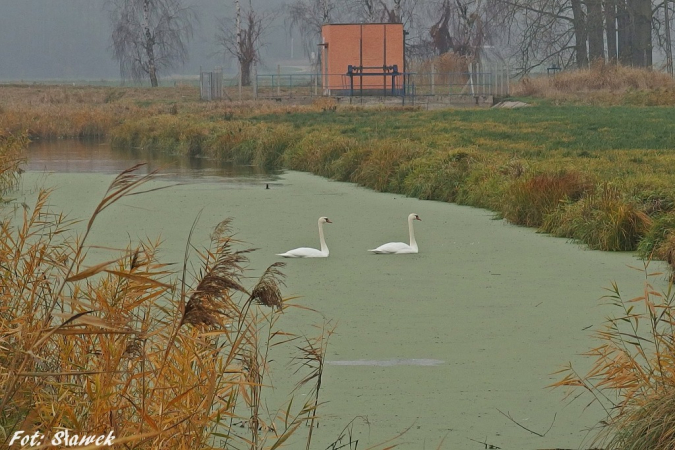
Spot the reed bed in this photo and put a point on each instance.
(164, 359)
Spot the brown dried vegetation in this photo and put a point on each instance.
(633, 371)
(602, 84)
(124, 346)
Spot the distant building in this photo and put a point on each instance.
(362, 58)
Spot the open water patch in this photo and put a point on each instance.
(388, 362)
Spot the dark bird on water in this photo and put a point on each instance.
(267, 186)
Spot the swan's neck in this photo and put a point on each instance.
(413, 242)
(324, 247)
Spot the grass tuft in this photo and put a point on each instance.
(439, 176)
(528, 201)
(602, 219)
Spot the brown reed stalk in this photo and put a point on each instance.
(312, 356)
(115, 346)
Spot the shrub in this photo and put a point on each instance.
(606, 84)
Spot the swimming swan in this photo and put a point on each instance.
(400, 247)
(305, 252)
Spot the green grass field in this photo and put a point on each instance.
(526, 130)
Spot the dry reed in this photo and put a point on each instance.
(123, 346)
(633, 371)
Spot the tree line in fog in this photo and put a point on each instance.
(150, 37)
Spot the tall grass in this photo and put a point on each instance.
(529, 200)
(239, 141)
(602, 84)
(439, 176)
(633, 371)
(161, 359)
(603, 219)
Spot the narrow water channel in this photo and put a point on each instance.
(438, 342)
(90, 156)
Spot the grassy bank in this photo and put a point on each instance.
(601, 175)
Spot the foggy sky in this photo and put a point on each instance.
(70, 40)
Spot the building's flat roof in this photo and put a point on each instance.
(360, 23)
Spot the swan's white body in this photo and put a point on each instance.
(399, 248)
(306, 252)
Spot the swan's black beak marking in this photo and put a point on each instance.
(328, 220)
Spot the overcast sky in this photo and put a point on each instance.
(70, 39)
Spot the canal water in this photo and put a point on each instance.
(435, 343)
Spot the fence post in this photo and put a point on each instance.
(433, 81)
(316, 85)
(505, 81)
(255, 80)
(481, 77)
(279, 80)
(497, 84)
(240, 74)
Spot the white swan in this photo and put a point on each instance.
(400, 247)
(305, 252)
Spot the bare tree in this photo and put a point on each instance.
(663, 13)
(386, 11)
(579, 31)
(244, 40)
(460, 27)
(307, 17)
(149, 36)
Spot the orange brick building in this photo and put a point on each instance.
(372, 49)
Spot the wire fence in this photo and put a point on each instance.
(470, 84)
